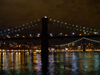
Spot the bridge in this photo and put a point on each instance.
(13, 33)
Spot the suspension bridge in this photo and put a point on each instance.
(14, 33)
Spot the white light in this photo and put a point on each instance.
(38, 34)
(73, 33)
(50, 33)
(45, 16)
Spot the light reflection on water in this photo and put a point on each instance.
(60, 63)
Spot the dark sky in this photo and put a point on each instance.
(78, 12)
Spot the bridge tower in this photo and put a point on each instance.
(44, 45)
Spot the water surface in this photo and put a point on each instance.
(60, 63)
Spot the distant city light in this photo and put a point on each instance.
(73, 33)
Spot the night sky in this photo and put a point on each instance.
(79, 12)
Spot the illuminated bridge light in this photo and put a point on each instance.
(38, 19)
(83, 27)
(17, 35)
(58, 21)
(0, 31)
(15, 30)
(84, 32)
(18, 29)
(35, 24)
(50, 19)
(11, 31)
(38, 35)
(8, 32)
(8, 29)
(61, 22)
(53, 23)
(94, 29)
(45, 16)
(15, 27)
(60, 34)
(22, 28)
(54, 20)
(4, 30)
(30, 22)
(76, 25)
(23, 24)
(30, 34)
(65, 23)
(67, 27)
(27, 23)
(73, 33)
(1, 34)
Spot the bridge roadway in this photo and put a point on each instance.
(49, 37)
